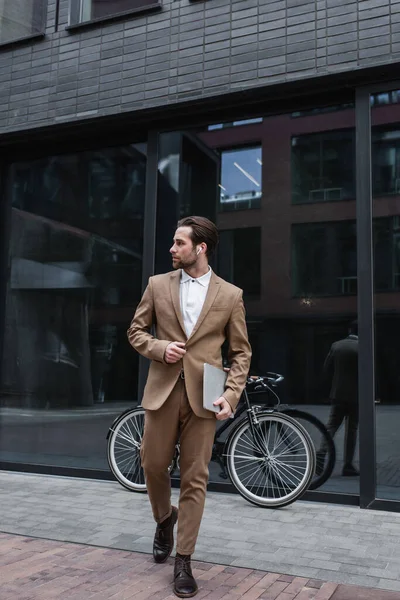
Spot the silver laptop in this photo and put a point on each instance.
(213, 386)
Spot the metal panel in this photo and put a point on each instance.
(149, 233)
(5, 231)
(366, 375)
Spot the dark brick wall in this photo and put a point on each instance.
(188, 50)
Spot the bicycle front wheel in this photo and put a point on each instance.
(323, 443)
(273, 467)
(123, 450)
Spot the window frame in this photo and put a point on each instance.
(321, 140)
(41, 5)
(310, 226)
(75, 5)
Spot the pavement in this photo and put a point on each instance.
(78, 538)
(32, 568)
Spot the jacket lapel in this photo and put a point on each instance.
(212, 293)
(175, 283)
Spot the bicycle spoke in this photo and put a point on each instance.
(243, 456)
(127, 460)
(123, 444)
(249, 442)
(138, 427)
(284, 441)
(292, 450)
(133, 429)
(131, 463)
(286, 471)
(126, 435)
(277, 475)
(250, 477)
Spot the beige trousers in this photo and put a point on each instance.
(163, 427)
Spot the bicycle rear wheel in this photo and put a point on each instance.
(274, 467)
(123, 450)
(323, 443)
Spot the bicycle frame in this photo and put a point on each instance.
(235, 422)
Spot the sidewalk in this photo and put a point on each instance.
(306, 543)
(38, 569)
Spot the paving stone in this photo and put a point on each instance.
(311, 541)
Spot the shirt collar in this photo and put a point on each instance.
(204, 280)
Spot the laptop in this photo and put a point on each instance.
(213, 386)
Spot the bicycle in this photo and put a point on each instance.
(268, 455)
(326, 458)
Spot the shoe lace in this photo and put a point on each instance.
(182, 564)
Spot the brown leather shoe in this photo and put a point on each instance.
(185, 585)
(164, 538)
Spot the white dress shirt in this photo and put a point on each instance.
(193, 293)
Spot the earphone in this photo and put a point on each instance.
(198, 251)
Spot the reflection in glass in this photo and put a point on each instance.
(386, 162)
(241, 185)
(384, 98)
(323, 167)
(322, 110)
(341, 379)
(297, 265)
(234, 124)
(20, 19)
(324, 259)
(75, 264)
(385, 136)
(239, 259)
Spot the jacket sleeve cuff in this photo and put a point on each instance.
(160, 349)
(230, 397)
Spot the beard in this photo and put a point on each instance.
(185, 263)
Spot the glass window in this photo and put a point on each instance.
(239, 259)
(295, 264)
(90, 10)
(234, 124)
(321, 111)
(385, 135)
(241, 179)
(387, 254)
(21, 18)
(386, 162)
(75, 265)
(384, 98)
(324, 259)
(323, 167)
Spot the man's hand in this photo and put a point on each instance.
(174, 352)
(226, 410)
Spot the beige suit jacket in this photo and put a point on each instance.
(222, 318)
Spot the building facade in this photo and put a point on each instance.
(279, 120)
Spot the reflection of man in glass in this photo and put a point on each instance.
(341, 373)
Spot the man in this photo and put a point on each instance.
(341, 372)
(194, 312)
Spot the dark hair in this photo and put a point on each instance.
(203, 230)
(354, 327)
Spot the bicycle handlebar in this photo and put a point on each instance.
(270, 377)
